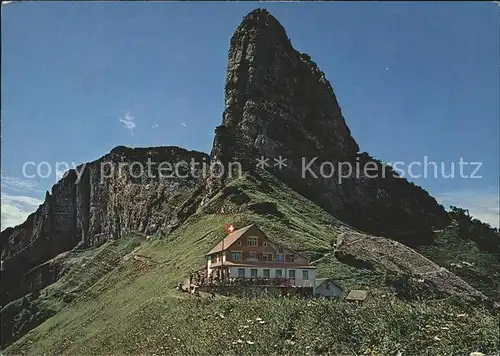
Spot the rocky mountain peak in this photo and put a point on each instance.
(262, 28)
(261, 19)
(278, 103)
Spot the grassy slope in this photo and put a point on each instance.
(134, 309)
(451, 251)
(82, 270)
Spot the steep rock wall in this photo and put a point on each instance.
(106, 202)
(278, 103)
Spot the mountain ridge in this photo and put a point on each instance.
(278, 104)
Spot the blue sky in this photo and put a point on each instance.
(413, 80)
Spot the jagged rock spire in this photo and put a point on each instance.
(277, 101)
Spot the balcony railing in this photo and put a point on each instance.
(256, 281)
(263, 262)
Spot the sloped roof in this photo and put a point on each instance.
(229, 240)
(320, 281)
(357, 294)
(235, 235)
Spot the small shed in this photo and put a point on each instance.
(325, 287)
(357, 295)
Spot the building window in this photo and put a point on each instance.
(279, 273)
(265, 244)
(252, 241)
(236, 256)
(253, 273)
(305, 274)
(291, 274)
(291, 258)
(252, 256)
(269, 256)
(241, 272)
(281, 258)
(239, 243)
(280, 249)
(267, 273)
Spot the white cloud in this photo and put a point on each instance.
(19, 185)
(183, 124)
(482, 204)
(155, 126)
(16, 208)
(128, 122)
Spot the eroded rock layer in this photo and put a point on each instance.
(100, 201)
(278, 103)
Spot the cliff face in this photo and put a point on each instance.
(277, 100)
(104, 203)
(278, 103)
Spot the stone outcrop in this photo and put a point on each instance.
(417, 275)
(99, 201)
(278, 103)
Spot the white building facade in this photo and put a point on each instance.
(300, 277)
(248, 253)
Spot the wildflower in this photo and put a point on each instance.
(289, 342)
(250, 342)
(461, 315)
(239, 341)
(437, 338)
(261, 322)
(221, 316)
(258, 319)
(476, 353)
